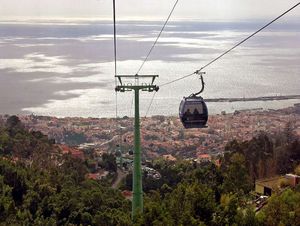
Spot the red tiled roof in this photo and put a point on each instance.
(70, 150)
(127, 194)
(93, 176)
(204, 156)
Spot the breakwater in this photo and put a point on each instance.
(244, 99)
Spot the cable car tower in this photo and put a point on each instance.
(137, 189)
(132, 83)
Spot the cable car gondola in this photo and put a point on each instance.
(193, 111)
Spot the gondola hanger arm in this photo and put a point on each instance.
(202, 83)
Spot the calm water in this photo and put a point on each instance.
(66, 69)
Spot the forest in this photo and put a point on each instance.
(39, 186)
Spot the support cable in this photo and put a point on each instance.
(131, 107)
(115, 66)
(155, 42)
(223, 54)
(115, 37)
(232, 48)
(151, 102)
(151, 49)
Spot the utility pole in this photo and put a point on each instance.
(137, 189)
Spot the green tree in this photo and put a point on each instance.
(109, 162)
(283, 209)
(227, 211)
(195, 199)
(13, 122)
(236, 178)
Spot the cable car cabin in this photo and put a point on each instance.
(193, 112)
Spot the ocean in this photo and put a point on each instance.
(65, 68)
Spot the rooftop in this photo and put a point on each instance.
(271, 183)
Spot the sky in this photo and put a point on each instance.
(206, 10)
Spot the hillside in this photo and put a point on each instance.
(57, 193)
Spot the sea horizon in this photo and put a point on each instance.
(66, 69)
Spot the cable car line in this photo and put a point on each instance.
(115, 54)
(151, 49)
(115, 69)
(196, 120)
(151, 101)
(115, 37)
(232, 48)
(155, 42)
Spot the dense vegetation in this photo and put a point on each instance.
(266, 155)
(40, 187)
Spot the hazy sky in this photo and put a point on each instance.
(147, 9)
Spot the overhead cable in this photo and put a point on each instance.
(232, 48)
(151, 101)
(155, 42)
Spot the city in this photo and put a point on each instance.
(163, 135)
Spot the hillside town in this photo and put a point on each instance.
(162, 136)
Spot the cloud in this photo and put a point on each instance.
(36, 62)
(87, 99)
(33, 45)
(158, 9)
(90, 38)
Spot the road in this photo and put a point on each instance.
(121, 175)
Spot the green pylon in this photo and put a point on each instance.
(137, 201)
(137, 189)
